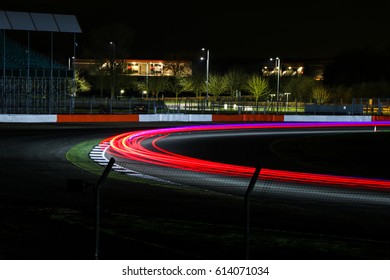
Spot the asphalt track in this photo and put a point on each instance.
(212, 159)
(44, 220)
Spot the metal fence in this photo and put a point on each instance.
(222, 105)
(182, 105)
(43, 93)
(35, 93)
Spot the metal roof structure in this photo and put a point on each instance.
(12, 20)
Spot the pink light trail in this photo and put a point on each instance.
(130, 146)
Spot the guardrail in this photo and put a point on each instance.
(134, 118)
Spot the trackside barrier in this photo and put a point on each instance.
(325, 118)
(129, 118)
(380, 118)
(248, 118)
(97, 118)
(176, 118)
(22, 118)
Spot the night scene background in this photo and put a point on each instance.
(47, 176)
(348, 41)
(302, 30)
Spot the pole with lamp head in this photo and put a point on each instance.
(277, 67)
(207, 71)
(113, 69)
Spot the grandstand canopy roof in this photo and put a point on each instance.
(38, 22)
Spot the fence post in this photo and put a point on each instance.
(98, 188)
(247, 193)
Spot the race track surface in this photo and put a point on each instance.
(45, 218)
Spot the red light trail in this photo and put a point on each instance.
(130, 146)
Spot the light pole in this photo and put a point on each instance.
(70, 62)
(74, 85)
(74, 64)
(287, 94)
(113, 69)
(207, 70)
(98, 188)
(247, 208)
(272, 96)
(277, 66)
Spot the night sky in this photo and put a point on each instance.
(299, 29)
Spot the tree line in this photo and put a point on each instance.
(357, 73)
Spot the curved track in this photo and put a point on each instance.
(43, 219)
(170, 154)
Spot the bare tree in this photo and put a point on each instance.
(301, 87)
(235, 80)
(177, 68)
(257, 86)
(177, 86)
(153, 85)
(80, 83)
(217, 85)
(194, 83)
(321, 95)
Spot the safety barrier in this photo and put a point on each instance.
(130, 118)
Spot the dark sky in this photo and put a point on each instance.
(298, 29)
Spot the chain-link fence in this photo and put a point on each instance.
(50, 96)
(39, 92)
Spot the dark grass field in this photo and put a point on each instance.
(43, 218)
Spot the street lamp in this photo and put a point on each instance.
(272, 96)
(70, 62)
(74, 85)
(207, 70)
(287, 94)
(277, 66)
(113, 69)
(74, 64)
(98, 189)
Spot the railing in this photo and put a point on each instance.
(226, 105)
(19, 102)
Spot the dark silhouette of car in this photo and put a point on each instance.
(140, 109)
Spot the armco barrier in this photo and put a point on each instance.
(326, 118)
(380, 118)
(130, 118)
(248, 118)
(175, 118)
(21, 118)
(97, 118)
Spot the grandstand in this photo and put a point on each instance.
(32, 83)
(18, 56)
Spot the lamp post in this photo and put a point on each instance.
(277, 66)
(70, 62)
(98, 188)
(207, 70)
(75, 45)
(74, 85)
(248, 191)
(287, 94)
(113, 69)
(272, 96)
